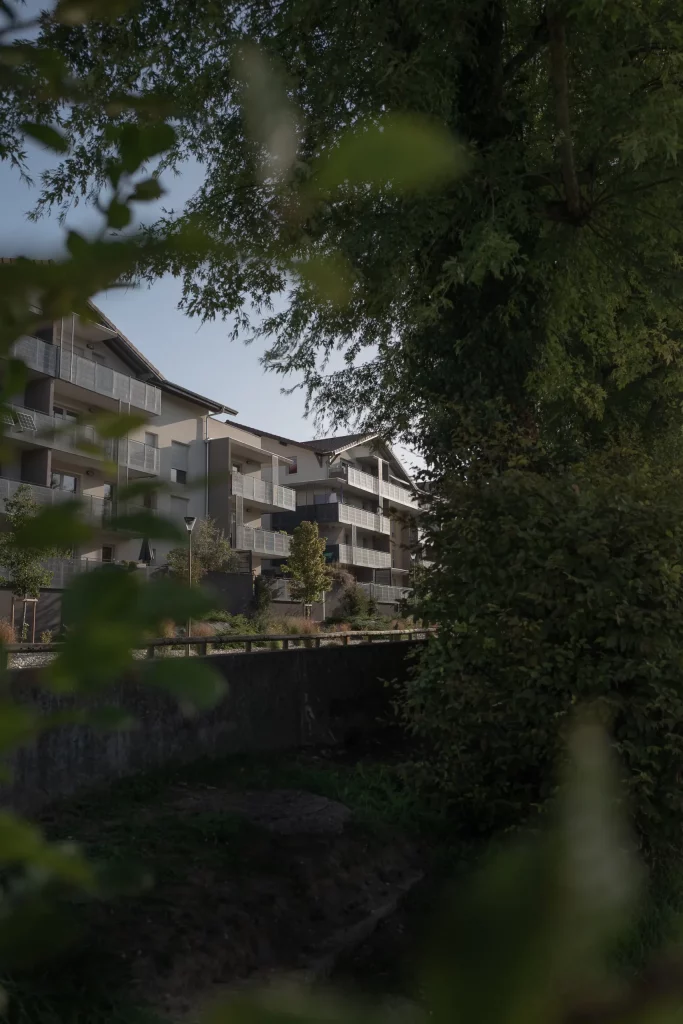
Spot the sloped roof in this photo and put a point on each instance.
(327, 445)
(336, 444)
(139, 363)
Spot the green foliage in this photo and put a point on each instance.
(306, 566)
(262, 601)
(551, 592)
(355, 603)
(211, 552)
(22, 563)
(542, 283)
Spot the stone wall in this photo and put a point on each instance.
(276, 700)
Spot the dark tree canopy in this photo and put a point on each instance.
(540, 292)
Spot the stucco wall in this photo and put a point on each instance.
(277, 700)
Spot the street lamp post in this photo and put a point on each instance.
(189, 526)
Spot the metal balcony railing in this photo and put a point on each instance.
(37, 355)
(86, 373)
(97, 509)
(360, 517)
(264, 542)
(263, 491)
(54, 432)
(400, 494)
(385, 594)
(137, 455)
(65, 569)
(106, 381)
(364, 556)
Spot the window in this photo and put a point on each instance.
(237, 467)
(108, 492)
(151, 440)
(64, 482)
(60, 413)
(108, 553)
(180, 456)
(148, 500)
(292, 469)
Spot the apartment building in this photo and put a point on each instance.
(362, 498)
(79, 367)
(245, 492)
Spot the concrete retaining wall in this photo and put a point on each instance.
(277, 700)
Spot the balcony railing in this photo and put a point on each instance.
(368, 482)
(364, 556)
(359, 517)
(37, 355)
(400, 494)
(263, 491)
(97, 509)
(385, 594)
(86, 373)
(137, 455)
(264, 542)
(64, 569)
(54, 432)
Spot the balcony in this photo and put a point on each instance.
(56, 362)
(139, 456)
(331, 512)
(263, 492)
(37, 355)
(385, 594)
(262, 542)
(367, 482)
(399, 494)
(359, 517)
(94, 508)
(53, 432)
(355, 477)
(368, 557)
(65, 569)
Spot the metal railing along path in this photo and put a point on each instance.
(252, 641)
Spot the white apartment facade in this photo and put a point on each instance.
(83, 367)
(363, 499)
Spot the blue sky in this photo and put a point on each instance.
(224, 370)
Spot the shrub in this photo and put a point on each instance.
(354, 602)
(8, 634)
(202, 629)
(263, 596)
(167, 629)
(299, 626)
(553, 592)
(219, 615)
(46, 636)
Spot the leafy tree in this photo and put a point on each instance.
(25, 572)
(552, 592)
(211, 552)
(310, 574)
(538, 294)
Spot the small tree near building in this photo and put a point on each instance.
(211, 552)
(22, 568)
(306, 566)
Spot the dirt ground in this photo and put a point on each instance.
(242, 883)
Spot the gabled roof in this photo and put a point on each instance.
(131, 355)
(124, 348)
(336, 445)
(330, 445)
